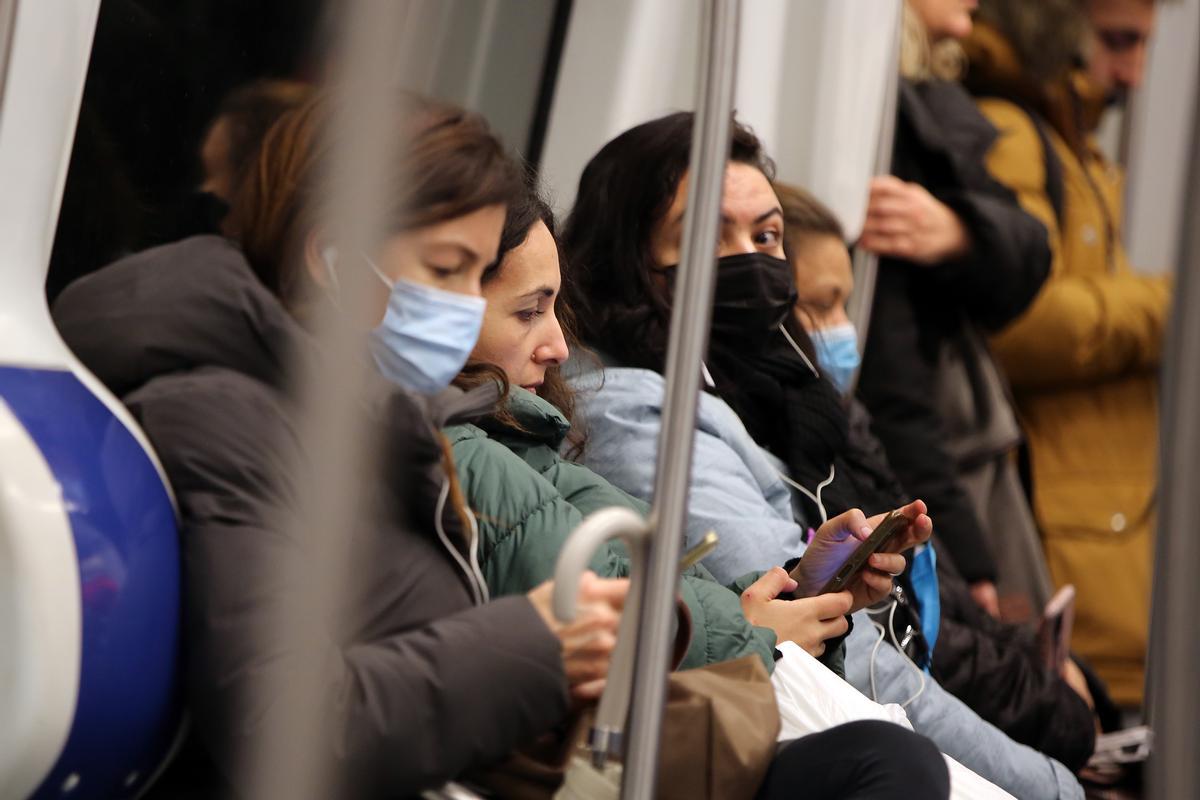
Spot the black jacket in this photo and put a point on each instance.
(941, 141)
(198, 348)
(995, 668)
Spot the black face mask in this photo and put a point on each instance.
(753, 295)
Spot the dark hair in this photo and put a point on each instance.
(450, 165)
(249, 111)
(624, 191)
(525, 212)
(804, 216)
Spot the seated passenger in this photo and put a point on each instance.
(526, 510)
(527, 499)
(230, 148)
(994, 667)
(195, 337)
(766, 417)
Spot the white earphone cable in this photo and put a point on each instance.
(816, 498)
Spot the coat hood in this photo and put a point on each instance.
(175, 308)
(1045, 36)
(1067, 99)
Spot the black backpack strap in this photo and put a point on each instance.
(1054, 167)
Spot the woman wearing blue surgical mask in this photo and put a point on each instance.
(195, 337)
(816, 251)
(1006, 681)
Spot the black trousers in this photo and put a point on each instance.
(865, 760)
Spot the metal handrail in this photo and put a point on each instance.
(866, 265)
(1172, 694)
(607, 734)
(690, 319)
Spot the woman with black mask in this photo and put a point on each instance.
(767, 418)
(624, 245)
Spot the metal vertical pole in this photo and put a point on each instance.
(8, 26)
(866, 265)
(1172, 692)
(690, 319)
(290, 758)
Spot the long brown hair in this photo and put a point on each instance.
(451, 164)
(248, 112)
(529, 209)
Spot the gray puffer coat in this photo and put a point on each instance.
(195, 345)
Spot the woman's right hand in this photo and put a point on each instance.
(588, 642)
(809, 621)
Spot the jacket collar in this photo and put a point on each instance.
(537, 419)
(926, 106)
(1072, 105)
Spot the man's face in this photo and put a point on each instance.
(1120, 36)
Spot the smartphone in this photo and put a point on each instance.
(892, 524)
(1054, 633)
(696, 554)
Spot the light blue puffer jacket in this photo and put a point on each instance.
(737, 491)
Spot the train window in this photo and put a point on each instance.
(159, 73)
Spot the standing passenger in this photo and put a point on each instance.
(1083, 360)
(958, 256)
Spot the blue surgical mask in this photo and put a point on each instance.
(837, 353)
(426, 335)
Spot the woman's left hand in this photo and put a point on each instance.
(839, 537)
(905, 221)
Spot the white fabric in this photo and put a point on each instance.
(812, 699)
(812, 80)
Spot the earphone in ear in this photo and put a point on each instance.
(329, 256)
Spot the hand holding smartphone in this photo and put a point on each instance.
(892, 524)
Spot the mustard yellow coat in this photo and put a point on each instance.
(1083, 362)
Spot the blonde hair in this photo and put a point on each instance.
(923, 60)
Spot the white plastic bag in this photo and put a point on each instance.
(811, 699)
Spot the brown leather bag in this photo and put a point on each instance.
(718, 739)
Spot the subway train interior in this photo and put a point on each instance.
(599, 398)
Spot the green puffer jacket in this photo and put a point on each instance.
(528, 499)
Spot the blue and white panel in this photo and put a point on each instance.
(89, 596)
